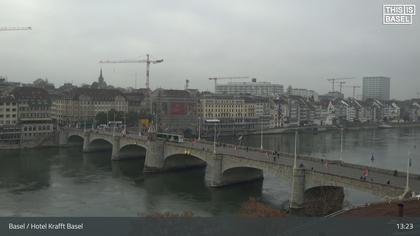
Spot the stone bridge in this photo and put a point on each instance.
(231, 165)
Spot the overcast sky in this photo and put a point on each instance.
(297, 43)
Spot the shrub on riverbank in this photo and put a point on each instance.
(253, 208)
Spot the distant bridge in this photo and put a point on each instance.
(231, 164)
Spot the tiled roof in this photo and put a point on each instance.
(172, 93)
(30, 93)
(96, 94)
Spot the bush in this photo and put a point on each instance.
(252, 208)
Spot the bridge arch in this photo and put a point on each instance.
(98, 144)
(129, 151)
(183, 161)
(323, 200)
(75, 139)
(241, 174)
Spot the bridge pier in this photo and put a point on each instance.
(298, 191)
(214, 174)
(115, 148)
(154, 161)
(62, 138)
(86, 141)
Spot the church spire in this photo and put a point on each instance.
(101, 78)
(101, 82)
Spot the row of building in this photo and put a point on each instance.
(27, 112)
(374, 87)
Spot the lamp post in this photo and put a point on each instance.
(113, 127)
(407, 184)
(199, 128)
(341, 144)
(261, 147)
(295, 155)
(125, 123)
(214, 121)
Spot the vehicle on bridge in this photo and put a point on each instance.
(177, 138)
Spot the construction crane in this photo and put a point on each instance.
(341, 85)
(231, 78)
(333, 81)
(147, 61)
(14, 28)
(354, 89)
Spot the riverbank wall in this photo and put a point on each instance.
(42, 142)
(316, 129)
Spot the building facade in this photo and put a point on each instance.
(376, 87)
(238, 114)
(81, 105)
(175, 111)
(34, 113)
(264, 89)
(8, 111)
(307, 93)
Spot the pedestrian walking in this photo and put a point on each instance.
(372, 158)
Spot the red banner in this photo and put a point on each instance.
(178, 108)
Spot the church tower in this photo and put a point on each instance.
(101, 81)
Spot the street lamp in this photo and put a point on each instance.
(341, 144)
(113, 128)
(295, 156)
(407, 185)
(199, 128)
(215, 122)
(261, 147)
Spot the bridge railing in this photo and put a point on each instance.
(315, 159)
(269, 152)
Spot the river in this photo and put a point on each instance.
(67, 182)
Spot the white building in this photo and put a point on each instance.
(305, 93)
(8, 111)
(392, 111)
(376, 87)
(263, 89)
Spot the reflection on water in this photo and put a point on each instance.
(67, 182)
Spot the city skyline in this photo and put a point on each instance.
(198, 41)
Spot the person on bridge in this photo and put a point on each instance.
(365, 173)
(372, 159)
